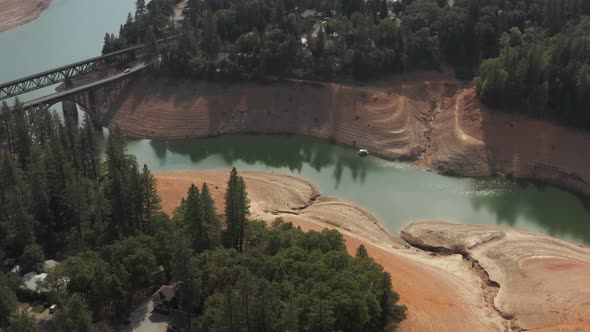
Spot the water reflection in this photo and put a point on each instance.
(290, 152)
(559, 213)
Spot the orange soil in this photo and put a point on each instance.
(441, 294)
(17, 12)
(394, 118)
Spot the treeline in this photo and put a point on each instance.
(60, 197)
(57, 192)
(244, 40)
(100, 216)
(540, 76)
(151, 20)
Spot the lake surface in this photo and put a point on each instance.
(397, 192)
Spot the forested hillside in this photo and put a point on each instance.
(536, 50)
(98, 214)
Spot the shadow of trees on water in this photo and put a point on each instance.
(290, 152)
(559, 213)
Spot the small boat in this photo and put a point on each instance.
(363, 152)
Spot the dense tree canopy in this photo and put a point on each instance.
(541, 77)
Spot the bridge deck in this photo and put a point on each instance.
(56, 75)
(55, 70)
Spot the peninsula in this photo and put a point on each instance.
(452, 277)
(18, 12)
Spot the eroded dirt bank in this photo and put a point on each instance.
(18, 12)
(486, 279)
(539, 283)
(469, 139)
(428, 117)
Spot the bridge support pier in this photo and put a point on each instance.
(70, 110)
(87, 101)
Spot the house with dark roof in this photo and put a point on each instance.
(165, 298)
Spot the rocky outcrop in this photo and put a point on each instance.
(536, 282)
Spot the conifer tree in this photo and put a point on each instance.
(231, 210)
(89, 150)
(193, 218)
(40, 196)
(22, 137)
(237, 211)
(152, 203)
(210, 218)
(243, 213)
(140, 7)
(18, 224)
(6, 116)
(8, 301)
(361, 252)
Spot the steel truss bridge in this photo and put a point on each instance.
(58, 75)
(61, 74)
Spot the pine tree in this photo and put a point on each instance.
(59, 172)
(135, 191)
(140, 8)
(237, 211)
(193, 218)
(8, 301)
(151, 47)
(390, 311)
(22, 143)
(71, 137)
(107, 46)
(290, 315)
(89, 150)
(40, 196)
(117, 186)
(18, 224)
(152, 203)
(231, 210)
(210, 218)
(6, 115)
(77, 208)
(361, 252)
(229, 321)
(244, 213)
